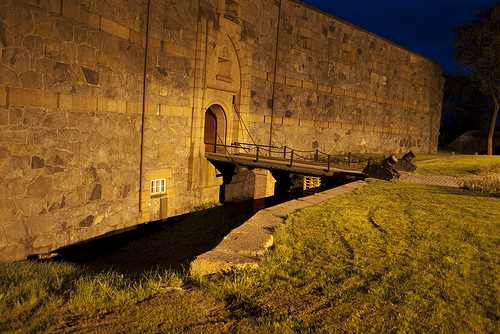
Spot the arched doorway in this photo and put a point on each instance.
(215, 129)
(210, 137)
(214, 138)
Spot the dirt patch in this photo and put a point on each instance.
(172, 310)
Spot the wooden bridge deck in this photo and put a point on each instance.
(302, 167)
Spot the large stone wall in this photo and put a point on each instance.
(98, 99)
(347, 89)
(70, 120)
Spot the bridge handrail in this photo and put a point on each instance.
(346, 158)
(292, 154)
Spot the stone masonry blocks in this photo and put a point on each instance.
(72, 94)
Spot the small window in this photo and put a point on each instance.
(304, 39)
(379, 63)
(224, 65)
(426, 81)
(305, 42)
(348, 53)
(348, 56)
(157, 186)
(224, 70)
(406, 73)
(379, 66)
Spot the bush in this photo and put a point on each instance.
(489, 168)
(484, 184)
(206, 206)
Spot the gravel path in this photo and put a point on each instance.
(449, 181)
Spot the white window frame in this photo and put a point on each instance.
(158, 186)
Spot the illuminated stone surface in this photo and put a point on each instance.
(71, 104)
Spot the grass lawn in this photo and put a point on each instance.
(461, 165)
(392, 257)
(441, 153)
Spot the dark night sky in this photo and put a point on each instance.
(423, 26)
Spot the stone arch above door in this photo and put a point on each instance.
(224, 67)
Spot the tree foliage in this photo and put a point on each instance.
(478, 49)
(465, 106)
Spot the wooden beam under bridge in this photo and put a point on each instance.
(275, 164)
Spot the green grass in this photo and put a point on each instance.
(476, 173)
(42, 296)
(461, 166)
(441, 153)
(32, 292)
(392, 257)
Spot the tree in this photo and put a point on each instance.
(478, 48)
(465, 107)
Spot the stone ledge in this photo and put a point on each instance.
(284, 209)
(215, 261)
(244, 244)
(263, 220)
(252, 242)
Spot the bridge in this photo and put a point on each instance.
(291, 162)
(282, 162)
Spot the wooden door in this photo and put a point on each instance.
(210, 131)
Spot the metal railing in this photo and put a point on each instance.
(295, 156)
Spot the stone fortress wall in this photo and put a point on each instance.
(344, 88)
(90, 145)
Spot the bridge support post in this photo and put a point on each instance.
(262, 188)
(282, 186)
(226, 171)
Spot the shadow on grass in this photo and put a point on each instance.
(169, 244)
(174, 243)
